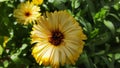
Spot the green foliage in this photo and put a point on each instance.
(100, 20)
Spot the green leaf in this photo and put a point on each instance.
(91, 7)
(110, 26)
(15, 58)
(94, 33)
(117, 39)
(1, 50)
(100, 16)
(100, 52)
(117, 6)
(115, 16)
(23, 47)
(51, 1)
(3, 0)
(118, 30)
(105, 59)
(111, 60)
(87, 25)
(98, 40)
(117, 56)
(6, 63)
(75, 3)
(58, 2)
(85, 58)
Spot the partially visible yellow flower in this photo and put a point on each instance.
(26, 12)
(37, 2)
(6, 39)
(58, 38)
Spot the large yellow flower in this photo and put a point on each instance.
(58, 38)
(26, 12)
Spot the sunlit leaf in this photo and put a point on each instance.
(3, 0)
(118, 39)
(75, 3)
(99, 16)
(117, 6)
(23, 47)
(51, 1)
(6, 63)
(110, 26)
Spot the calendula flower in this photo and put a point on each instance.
(26, 12)
(58, 38)
(37, 2)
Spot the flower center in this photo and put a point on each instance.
(56, 38)
(27, 14)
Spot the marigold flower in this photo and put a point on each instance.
(37, 2)
(58, 38)
(26, 12)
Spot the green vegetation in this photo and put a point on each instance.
(100, 20)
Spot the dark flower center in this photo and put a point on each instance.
(56, 38)
(27, 14)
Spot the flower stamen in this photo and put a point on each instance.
(27, 14)
(56, 38)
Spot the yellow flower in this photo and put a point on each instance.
(26, 12)
(37, 2)
(6, 39)
(58, 38)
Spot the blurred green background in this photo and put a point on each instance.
(100, 20)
